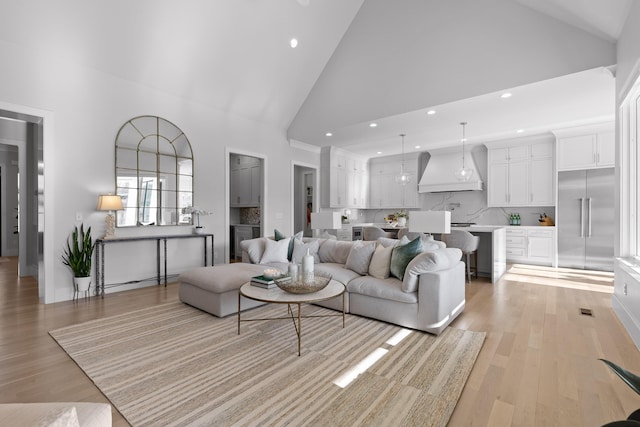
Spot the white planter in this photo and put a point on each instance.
(81, 284)
(198, 230)
(402, 221)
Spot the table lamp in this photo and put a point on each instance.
(326, 220)
(109, 203)
(430, 222)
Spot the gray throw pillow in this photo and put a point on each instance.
(402, 255)
(300, 250)
(360, 256)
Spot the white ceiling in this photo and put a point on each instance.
(234, 55)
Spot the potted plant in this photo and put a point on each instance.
(401, 218)
(633, 381)
(195, 211)
(78, 255)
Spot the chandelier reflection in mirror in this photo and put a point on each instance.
(404, 177)
(464, 173)
(154, 173)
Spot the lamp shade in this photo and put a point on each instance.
(109, 202)
(326, 220)
(430, 222)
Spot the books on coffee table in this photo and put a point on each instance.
(263, 282)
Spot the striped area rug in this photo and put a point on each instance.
(174, 365)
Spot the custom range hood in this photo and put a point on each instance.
(440, 173)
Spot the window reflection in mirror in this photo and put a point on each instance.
(154, 173)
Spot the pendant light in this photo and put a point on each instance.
(403, 178)
(464, 173)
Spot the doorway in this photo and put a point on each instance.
(304, 197)
(24, 133)
(246, 200)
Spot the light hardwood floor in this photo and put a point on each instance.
(538, 366)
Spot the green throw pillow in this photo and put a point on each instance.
(279, 236)
(401, 256)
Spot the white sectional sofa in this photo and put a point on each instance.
(426, 295)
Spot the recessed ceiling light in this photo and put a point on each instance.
(505, 95)
(293, 43)
(417, 146)
(520, 130)
(379, 152)
(328, 134)
(372, 125)
(431, 112)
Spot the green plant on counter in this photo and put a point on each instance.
(78, 253)
(401, 214)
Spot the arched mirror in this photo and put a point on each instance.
(154, 173)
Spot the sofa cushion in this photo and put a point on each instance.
(380, 262)
(279, 236)
(360, 256)
(334, 251)
(300, 250)
(440, 259)
(402, 255)
(255, 248)
(390, 289)
(337, 272)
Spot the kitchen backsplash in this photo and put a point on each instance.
(250, 216)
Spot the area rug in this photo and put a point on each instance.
(174, 365)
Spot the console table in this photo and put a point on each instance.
(100, 254)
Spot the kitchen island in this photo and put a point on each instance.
(492, 250)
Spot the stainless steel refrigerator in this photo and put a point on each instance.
(585, 220)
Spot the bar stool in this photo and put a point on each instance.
(373, 233)
(468, 244)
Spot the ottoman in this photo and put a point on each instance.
(215, 289)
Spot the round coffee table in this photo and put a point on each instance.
(278, 296)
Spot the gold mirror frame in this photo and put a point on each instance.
(154, 173)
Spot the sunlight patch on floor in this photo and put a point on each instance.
(351, 374)
(569, 278)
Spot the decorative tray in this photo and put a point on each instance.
(303, 286)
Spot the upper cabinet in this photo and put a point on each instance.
(345, 179)
(245, 181)
(520, 174)
(588, 147)
(385, 191)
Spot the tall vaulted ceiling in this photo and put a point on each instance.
(357, 61)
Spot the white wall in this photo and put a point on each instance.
(89, 107)
(628, 53)
(626, 293)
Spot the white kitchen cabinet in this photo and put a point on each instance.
(385, 192)
(520, 175)
(531, 245)
(589, 147)
(344, 179)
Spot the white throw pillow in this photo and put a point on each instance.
(380, 262)
(276, 251)
(300, 250)
(360, 256)
(255, 248)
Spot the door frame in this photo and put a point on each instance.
(227, 205)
